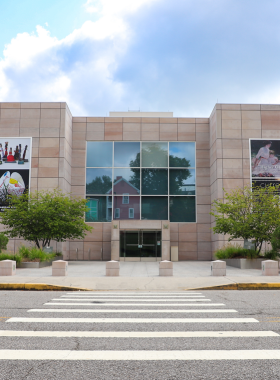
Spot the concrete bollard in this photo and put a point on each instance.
(60, 268)
(270, 268)
(7, 268)
(218, 268)
(112, 268)
(165, 268)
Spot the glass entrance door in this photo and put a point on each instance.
(142, 244)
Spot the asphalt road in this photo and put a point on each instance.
(129, 335)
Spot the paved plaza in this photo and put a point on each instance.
(138, 275)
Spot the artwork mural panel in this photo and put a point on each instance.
(265, 162)
(15, 164)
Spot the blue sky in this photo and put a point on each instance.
(153, 55)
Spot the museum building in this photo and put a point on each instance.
(149, 177)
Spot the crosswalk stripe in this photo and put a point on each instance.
(103, 296)
(134, 304)
(139, 334)
(130, 311)
(132, 320)
(132, 293)
(128, 299)
(140, 355)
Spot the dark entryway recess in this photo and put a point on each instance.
(143, 244)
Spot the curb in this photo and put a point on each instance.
(39, 287)
(242, 286)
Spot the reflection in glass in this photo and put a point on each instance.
(126, 154)
(154, 154)
(99, 181)
(100, 209)
(127, 181)
(154, 208)
(154, 181)
(99, 153)
(182, 154)
(182, 181)
(126, 210)
(182, 209)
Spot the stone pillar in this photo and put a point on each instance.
(115, 240)
(59, 268)
(270, 268)
(165, 268)
(165, 237)
(218, 268)
(7, 268)
(112, 268)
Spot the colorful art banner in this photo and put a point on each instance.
(15, 167)
(265, 162)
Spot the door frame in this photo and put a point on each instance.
(140, 240)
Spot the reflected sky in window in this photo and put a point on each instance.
(99, 153)
(180, 151)
(125, 152)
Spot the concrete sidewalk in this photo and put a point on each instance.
(138, 276)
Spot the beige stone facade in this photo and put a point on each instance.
(222, 161)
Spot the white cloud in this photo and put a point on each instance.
(78, 68)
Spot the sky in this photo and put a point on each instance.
(149, 55)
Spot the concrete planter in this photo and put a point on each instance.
(245, 263)
(40, 264)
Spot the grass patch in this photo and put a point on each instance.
(231, 251)
(26, 254)
(10, 256)
(35, 254)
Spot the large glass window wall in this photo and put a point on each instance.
(141, 180)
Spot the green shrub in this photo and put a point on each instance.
(275, 240)
(271, 255)
(7, 256)
(3, 241)
(231, 251)
(34, 253)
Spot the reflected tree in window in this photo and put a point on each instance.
(178, 176)
(155, 181)
(134, 178)
(100, 185)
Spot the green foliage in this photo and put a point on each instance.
(34, 253)
(275, 240)
(271, 255)
(248, 214)
(7, 256)
(43, 216)
(99, 185)
(232, 252)
(3, 241)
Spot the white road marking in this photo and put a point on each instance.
(132, 320)
(133, 304)
(130, 311)
(103, 296)
(140, 355)
(132, 293)
(128, 299)
(137, 334)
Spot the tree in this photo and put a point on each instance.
(155, 180)
(248, 213)
(43, 216)
(99, 185)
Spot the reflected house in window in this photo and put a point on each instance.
(126, 199)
